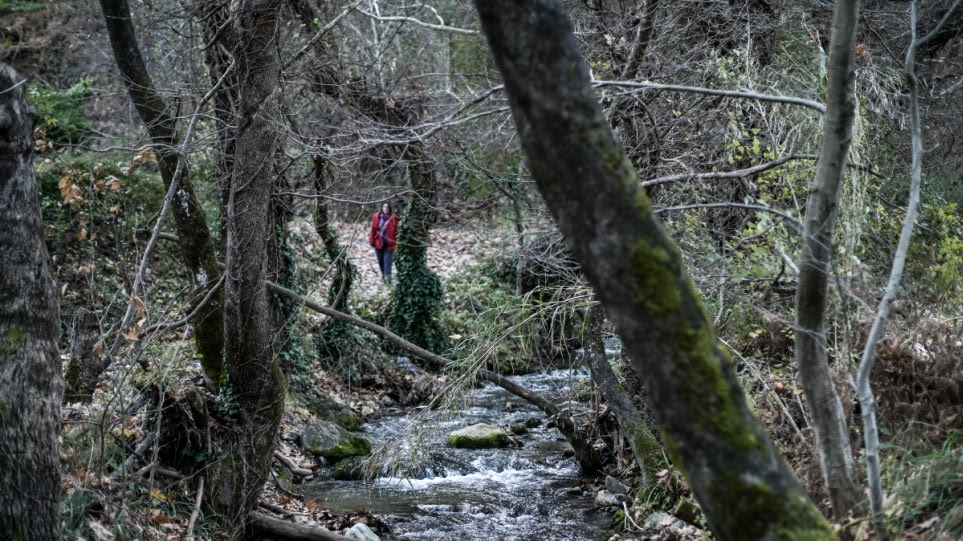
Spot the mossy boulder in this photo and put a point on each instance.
(479, 436)
(688, 511)
(347, 419)
(349, 469)
(519, 429)
(336, 413)
(332, 442)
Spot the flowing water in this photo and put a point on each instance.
(443, 493)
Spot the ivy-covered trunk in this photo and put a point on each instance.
(416, 300)
(335, 335)
(189, 217)
(254, 384)
(745, 488)
(30, 381)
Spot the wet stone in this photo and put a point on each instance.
(478, 436)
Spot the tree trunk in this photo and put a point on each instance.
(744, 487)
(344, 271)
(214, 16)
(832, 435)
(31, 384)
(417, 299)
(336, 341)
(189, 217)
(645, 446)
(254, 377)
(86, 364)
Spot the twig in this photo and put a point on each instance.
(724, 174)
(197, 508)
(14, 87)
(739, 173)
(416, 350)
(186, 319)
(867, 401)
(628, 519)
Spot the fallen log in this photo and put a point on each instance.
(276, 528)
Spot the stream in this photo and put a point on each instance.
(505, 494)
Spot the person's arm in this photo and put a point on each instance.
(392, 231)
(373, 232)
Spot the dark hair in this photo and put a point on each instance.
(390, 211)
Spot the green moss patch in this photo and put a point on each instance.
(332, 442)
(349, 469)
(352, 446)
(479, 436)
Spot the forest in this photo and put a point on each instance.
(549, 269)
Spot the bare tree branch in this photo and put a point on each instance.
(793, 221)
(442, 27)
(321, 33)
(742, 94)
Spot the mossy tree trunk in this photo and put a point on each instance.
(744, 487)
(644, 445)
(189, 217)
(31, 384)
(815, 268)
(242, 455)
(416, 301)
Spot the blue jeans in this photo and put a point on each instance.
(384, 263)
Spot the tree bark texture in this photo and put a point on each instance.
(85, 365)
(345, 272)
(815, 266)
(644, 445)
(189, 217)
(744, 487)
(416, 300)
(255, 381)
(31, 384)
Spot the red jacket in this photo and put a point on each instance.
(391, 231)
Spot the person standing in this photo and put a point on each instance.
(382, 237)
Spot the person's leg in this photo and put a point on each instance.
(387, 269)
(381, 260)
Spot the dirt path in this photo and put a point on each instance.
(452, 248)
